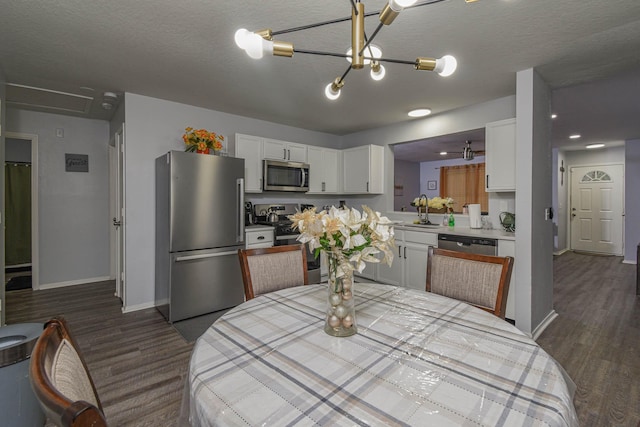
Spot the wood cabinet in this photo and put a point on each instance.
(250, 149)
(363, 170)
(324, 170)
(287, 151)
(500, 157)
(409, 268)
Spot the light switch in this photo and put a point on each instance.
(60, 133)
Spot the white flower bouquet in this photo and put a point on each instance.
(347, 235)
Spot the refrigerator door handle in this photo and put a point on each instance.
(240, 197)
(201, 256)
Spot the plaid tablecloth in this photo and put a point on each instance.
(417, 359)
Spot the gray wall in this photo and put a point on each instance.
(73, 206)
(153, 127)
(632, 201)
(534, 236)
(407, 175)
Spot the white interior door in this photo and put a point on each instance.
(597, 208)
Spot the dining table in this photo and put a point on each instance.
(417, 359)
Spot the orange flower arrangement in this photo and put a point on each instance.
(201, 140)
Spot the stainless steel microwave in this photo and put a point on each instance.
(285, 176)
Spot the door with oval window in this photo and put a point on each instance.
(596, 209)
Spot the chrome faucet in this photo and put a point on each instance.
(424, 220)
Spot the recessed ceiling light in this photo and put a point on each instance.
(443, 153)
(595, 146)
(553, 116)
(576, 136)
(420, 112)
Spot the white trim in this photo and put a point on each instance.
(138, 307)
(74, 282)
(543, 325)
(35, 252)
(630, 261)
(562, 251)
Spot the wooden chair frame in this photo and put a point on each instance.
(505, 277)
(244, 254)
(58, 408)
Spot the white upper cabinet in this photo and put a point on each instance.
(324, 170)
(500, 157)
(285, 151)
(363, 170)
(249, 148)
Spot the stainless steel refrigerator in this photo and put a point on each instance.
(199, 229)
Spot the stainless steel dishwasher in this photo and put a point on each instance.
(473, 245)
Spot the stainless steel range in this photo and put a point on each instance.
(276, 215)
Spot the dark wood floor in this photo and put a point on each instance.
(596, 336)
(139, 362)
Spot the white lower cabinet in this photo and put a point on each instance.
(409, 268)
(258, 237)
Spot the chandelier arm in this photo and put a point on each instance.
(347, 18)
(321, 53)
(345, 73)
(370, 39)
(396, 61)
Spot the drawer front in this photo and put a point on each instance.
(259, 238)
(421, 237)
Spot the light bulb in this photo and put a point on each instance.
(241, 38)
(446, 65)
(379, 74)
(256, 46)
(399, 5)
(330, 93)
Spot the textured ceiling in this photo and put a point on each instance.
(184, 51)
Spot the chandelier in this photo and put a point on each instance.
(361, 53)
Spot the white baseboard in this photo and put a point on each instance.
(73, 282)
(629, 261)
(138, 307)
(560, 252)
(543, 325)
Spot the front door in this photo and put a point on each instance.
(596, 208)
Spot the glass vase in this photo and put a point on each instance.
(341, 314)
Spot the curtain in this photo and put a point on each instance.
(465, 185)
(17, 214)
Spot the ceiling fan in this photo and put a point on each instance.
(468, 153)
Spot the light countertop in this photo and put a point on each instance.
(460, 231)
(258, 228)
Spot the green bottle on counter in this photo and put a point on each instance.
(452, 220)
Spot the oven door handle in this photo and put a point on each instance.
(287, 237)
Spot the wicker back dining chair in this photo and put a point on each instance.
(61, 381)
(481, 280)
(266, 270)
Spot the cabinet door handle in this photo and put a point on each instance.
(486, 177)
(284, 153)
(323, 186)
(288, 154)
(367, 186)
(261, 237)
(399, 249)
(405, 252)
